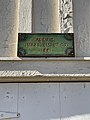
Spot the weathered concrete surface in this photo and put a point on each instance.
(44, 20)
(44, 71)
(8, 35)
(8, 98)
(25, 16)
(75, 100)
(45, 101)
(48, 67)
(46, 16)
(82, 27)
(39, 16)
(8, 27)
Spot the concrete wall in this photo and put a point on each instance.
(46, 101)
(25, 16)
(8, 36)
(82, 27)
(44, 20)
(46, 16)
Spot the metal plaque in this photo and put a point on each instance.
(46, 45)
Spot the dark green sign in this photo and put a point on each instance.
(45, 44)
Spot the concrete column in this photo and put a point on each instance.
(25, 16)
(46, 16)
(8, 27)
(82, 27)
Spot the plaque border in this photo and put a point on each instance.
(46, 55)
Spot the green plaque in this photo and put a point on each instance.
(46, 45)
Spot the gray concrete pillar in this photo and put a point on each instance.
(8, 28)
(25, 16)
(82, 27)
(46, 16)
